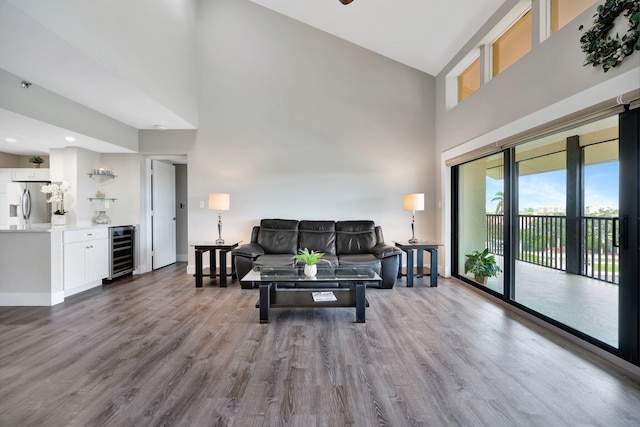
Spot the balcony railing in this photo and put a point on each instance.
(542, 241)
(601, 256)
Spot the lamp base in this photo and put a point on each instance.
(220, 242)
(413, 240)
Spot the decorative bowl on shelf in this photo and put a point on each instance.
(102, 205)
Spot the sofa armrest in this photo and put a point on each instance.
(250, 250)
(382, 250)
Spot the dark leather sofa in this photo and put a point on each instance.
(275, 241)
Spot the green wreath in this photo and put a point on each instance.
(599, 46)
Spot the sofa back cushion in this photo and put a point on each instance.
(278, 236)
(319, 236)
(355, 237)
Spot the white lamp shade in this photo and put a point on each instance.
(414, 202)
(219, 201)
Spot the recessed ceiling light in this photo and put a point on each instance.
(160, 127)
(11, 140)
(69, 139)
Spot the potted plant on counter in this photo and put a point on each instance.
(36, 161)
(56, 195)
(311, 259)
(482, 265)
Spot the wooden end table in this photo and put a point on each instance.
(212, 248)
(420, 248)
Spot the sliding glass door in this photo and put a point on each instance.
(563, 228)
(567, 205)
(480, 210)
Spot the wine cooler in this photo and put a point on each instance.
(122, 259)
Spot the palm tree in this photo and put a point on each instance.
(499, 197)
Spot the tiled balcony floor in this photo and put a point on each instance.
(588, 305)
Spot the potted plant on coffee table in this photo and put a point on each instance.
(482, 265)
(311, 259)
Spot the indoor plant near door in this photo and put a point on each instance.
(311, 259)
(36, 161)
(56, 195)
(482, 265)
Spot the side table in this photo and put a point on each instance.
(420, 247)
(212, 248)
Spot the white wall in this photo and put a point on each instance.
(548, 83)
(295, 123)
(43, 105)
(126, 187)
(150, 45)
(166, 142)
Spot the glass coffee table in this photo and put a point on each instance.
(300, 289)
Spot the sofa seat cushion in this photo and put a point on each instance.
(368, 260)
(271, 260)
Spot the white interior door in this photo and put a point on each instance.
(163, 217)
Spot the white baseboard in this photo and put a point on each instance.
(57, 297)
(28, 299)
(141, 268)
(69, 292)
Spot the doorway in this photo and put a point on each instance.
(167, 210)
(163, 214)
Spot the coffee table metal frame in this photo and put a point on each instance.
(274, 296)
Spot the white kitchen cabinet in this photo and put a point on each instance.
(5, 178)
(4, 209)
(86, 259)
(30, 174)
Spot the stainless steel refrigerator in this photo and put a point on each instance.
(27, 204)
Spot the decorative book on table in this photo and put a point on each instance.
(323, 296)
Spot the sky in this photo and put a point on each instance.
(549, 189)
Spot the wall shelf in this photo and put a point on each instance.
(102, 203)
(101, 177)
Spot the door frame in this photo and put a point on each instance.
(629, 213)
(147, 230)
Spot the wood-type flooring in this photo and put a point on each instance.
(154, 350)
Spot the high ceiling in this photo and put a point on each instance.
(423, 34)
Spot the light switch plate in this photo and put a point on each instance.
(201, 204)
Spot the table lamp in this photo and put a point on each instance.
(413, 202)
(219, 202)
